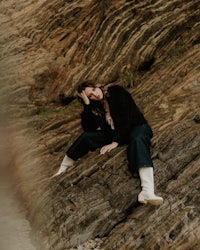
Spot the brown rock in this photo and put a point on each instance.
(152, 47)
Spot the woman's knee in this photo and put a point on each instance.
(85, 136)
(137, 138)
(141, 141)
(94, 139)
(141, 134)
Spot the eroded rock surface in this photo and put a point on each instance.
(150, 47)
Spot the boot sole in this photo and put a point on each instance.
(155, 202)
(152, 202)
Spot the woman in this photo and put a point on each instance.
(111, 118)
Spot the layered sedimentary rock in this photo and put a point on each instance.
(150, 47)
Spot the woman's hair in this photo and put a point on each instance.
(86, 84)
(96, 107)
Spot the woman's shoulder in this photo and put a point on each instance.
(117, 89)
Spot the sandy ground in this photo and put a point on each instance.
(15, 231)
(14, 228)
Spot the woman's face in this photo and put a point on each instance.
(94, 94)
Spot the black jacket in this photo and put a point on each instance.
(123, 110)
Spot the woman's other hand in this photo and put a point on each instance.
(84, 97)
(108, 148)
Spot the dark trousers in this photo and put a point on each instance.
(88, 141)
(138, 150)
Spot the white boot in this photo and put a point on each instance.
(147, 182)
(65, 163)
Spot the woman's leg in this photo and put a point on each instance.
(138, 150)
(147, 183)
(67, 161)
(140, 159)
(88, 141)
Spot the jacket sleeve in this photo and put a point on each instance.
(121, 105)
(88, 119)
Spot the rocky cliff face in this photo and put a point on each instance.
(150, 47)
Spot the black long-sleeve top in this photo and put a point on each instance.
(123, 110)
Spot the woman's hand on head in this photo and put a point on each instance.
(84, 97)
(108, 148)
